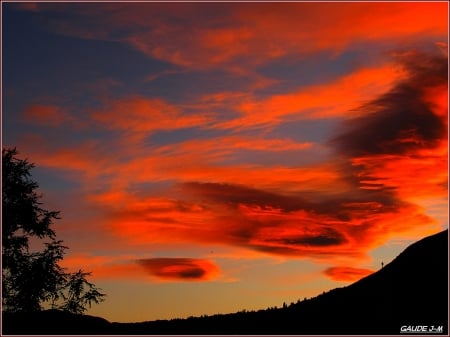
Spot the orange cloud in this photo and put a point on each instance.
(180, 269)
(414, 178)
(271, 223)
(254, 34)
(82, 159)
(219, 148)
(193, 160)
(349, 274)
(328, 229)
(437, 98)
(336, 99)
(105, 267)
(128, 267)
(400, 141)
(139, 114)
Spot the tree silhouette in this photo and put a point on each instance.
(80, 293)
(32, 276)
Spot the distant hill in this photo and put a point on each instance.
(52, 322)
(412, 290)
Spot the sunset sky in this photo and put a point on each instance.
(213, 157)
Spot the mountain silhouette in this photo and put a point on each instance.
(410, 291)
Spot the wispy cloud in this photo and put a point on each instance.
(216, 34)
(46, 115)
(336, 99)
(140, 114)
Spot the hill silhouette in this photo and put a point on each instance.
(412, 290)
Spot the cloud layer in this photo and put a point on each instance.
(365, 195)
(201, 148)
(216, 34)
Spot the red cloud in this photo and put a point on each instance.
(400, 140)
(338, 98)
(163, 269)
(347, 225)
(226, 145)
(46, 115)
(140, 114)
(220, 34)
(347, 273)
(181, 269)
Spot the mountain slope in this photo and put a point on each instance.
(411, 290)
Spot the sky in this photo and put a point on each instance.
(210, 157)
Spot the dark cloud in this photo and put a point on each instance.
(179, 268)
(237, 194)
(322, 240)
(290, 225)
(401, 120)
(298, 245)
(337, 205)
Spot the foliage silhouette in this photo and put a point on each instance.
(31, 276)
(77, 296)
